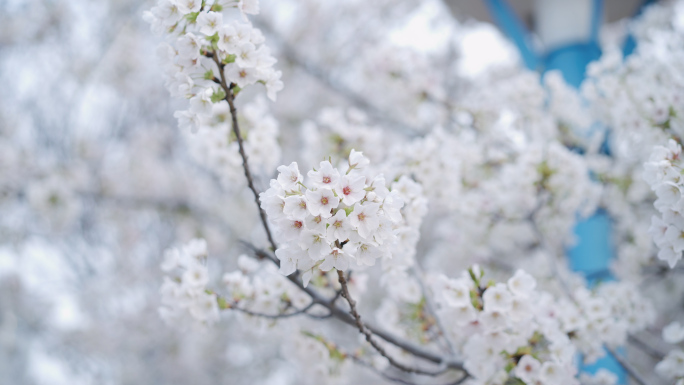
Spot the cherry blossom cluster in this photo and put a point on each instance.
(549, 183)
(604, 316)
(672, 366)
(258, 289)
(206, 54)
(511, 330)
(663, 172)
(184, 291)
(506, 330)
(339, 219)
(640, 100)
(216, 147)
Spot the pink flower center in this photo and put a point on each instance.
(326, 179)
(361, 217)
(346, 190)
(324, 201)
(297, 224)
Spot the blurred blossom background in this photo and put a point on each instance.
(96, 179)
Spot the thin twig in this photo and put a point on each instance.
(274, 316)
(230, 98)
(345, 317)
(432, 309)
(398, 380)
(369, 335)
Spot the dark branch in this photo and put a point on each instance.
(369, 335)
(230, 98)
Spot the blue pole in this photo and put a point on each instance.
(510, 24)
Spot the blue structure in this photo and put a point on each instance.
(594, 250)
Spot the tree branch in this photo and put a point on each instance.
(294, 278)
(345, 317)
(230, 98)
(273, 316)
(369, 335)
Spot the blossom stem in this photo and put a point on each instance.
(348, 319)
(432, 308)
(230, 98)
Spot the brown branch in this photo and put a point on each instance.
(230, 98)
(274, 316)
(369, 335)
(345, 317)
(294, 278)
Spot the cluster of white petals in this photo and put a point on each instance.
(337, 218)
(640, 100)
(184, 291)
(205, 54)
(259, 289)
(663, 172)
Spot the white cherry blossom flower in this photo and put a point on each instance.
(364, 218)
(527, 369)
(288, 257)
(242, 76)
(205, 308)
(189, 46)
(325, 177)
(188, 6)
(196, 276)
(337, 259)
(289, 176)
(673, 333)
(357, 161)
(351, 189)
(209, 22)
(497, 298)
(315, 244)
(322, 202)
(228, 39)
(339, 227)
(521, 284)
(296, 207)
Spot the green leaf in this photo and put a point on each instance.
(192, 17)
(229, 59)
(218, 95)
